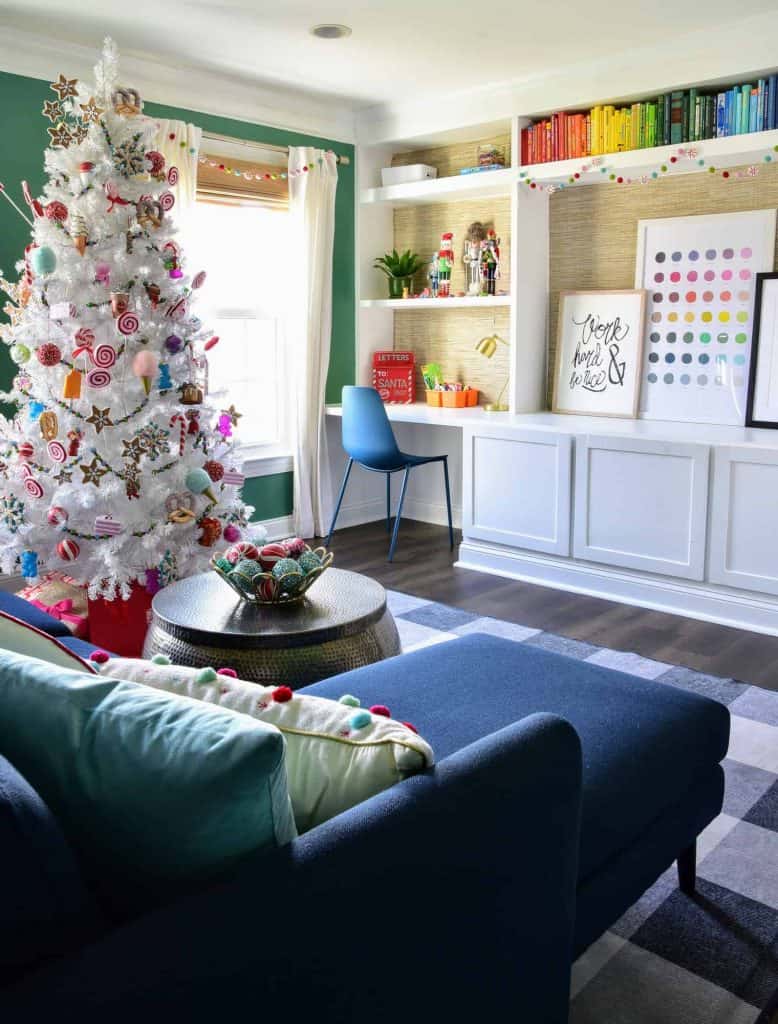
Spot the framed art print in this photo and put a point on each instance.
(598, 352)
(762, 407)
(700, 273)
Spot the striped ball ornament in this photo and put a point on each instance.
(270, 554)
(68, 550)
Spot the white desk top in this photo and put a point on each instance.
(656, 430)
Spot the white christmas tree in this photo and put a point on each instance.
(115, 468)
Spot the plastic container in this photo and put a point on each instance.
(453, 399)
(402, 175)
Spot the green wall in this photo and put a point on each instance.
(23, 130)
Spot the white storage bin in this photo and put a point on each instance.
(401, 175)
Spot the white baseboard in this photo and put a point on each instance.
(371, 511)
(705, 601)
(279, 528)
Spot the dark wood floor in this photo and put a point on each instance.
(423, 566)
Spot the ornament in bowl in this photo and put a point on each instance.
(279, 573)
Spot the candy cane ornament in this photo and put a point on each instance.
(179, 418)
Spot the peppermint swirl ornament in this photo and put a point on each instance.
(104, 356)
(172, 176)
(98, 380)
(167, 201)
(57, 452)
(128, 322)
(33, 487)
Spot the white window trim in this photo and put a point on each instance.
(265, 460)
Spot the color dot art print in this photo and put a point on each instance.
(700, 276)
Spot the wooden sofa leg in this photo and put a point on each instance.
(687, 869)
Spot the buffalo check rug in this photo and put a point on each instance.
(671, 959)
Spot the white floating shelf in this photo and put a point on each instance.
(479, 185)
(454, 302)
(634, 163)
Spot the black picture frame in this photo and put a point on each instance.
(755, 341)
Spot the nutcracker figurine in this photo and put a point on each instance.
(471, 257)
(433, 275)
(445, 264)
(490, 263)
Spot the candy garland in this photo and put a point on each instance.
(682, 153)
(266, 175)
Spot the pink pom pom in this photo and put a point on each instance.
(381, 709)
(227, 672)
(99, 657)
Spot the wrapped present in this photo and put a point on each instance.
(120, 626)
(61, 597)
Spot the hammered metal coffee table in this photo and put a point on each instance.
(342, 623)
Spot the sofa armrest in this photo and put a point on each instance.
(453, 891)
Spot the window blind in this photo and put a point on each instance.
(215, 185)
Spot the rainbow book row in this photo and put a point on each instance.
(672, 118)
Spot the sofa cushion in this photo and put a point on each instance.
(19, 636)
(644, 743)
(21, 609)
(45, 908)
(152, 789)
(331, 764)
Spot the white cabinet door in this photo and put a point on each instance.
(516, 488)
(642, 504)
(744, 519)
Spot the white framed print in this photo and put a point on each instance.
(700, 274)
(762, 405)
(598, 352)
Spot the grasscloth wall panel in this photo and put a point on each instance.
(594, 229)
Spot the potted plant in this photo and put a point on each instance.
(399, 270)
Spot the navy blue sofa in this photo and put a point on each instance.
(562, 790)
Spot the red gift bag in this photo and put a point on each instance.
(120, 626)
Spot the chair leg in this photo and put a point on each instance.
(448, 504)
(393, 545)
(340, 501)
(687, 869)
(388, 502)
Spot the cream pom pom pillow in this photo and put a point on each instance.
(337, 755)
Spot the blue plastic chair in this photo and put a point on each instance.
(369, 440)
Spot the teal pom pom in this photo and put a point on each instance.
(287, 567)
(161, 659)
(352, 702)
(360, 720)
(224, 565)
(206, 675)
(308, 561)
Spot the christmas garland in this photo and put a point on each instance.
(682, 153)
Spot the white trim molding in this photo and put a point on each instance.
(678, 597)
(193, 88)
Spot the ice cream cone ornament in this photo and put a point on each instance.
(79, 233)
(145, 365)
(198, 482)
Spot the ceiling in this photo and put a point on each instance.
(399, 50)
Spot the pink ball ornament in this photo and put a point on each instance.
(57, 517)
(68, 550)
(231, 533)
(48, 354)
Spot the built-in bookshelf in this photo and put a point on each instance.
(672, 118)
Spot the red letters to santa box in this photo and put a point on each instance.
(394, 377)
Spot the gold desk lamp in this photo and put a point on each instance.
(487, 346)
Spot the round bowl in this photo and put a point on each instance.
(267, 589)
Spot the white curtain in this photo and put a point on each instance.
(312, 209)
(179, 143)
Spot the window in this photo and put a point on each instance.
(240, 236)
